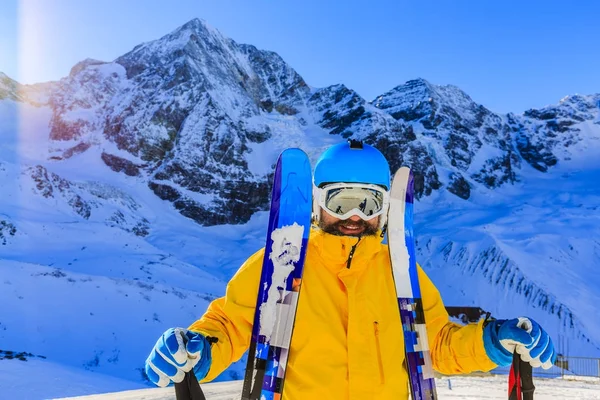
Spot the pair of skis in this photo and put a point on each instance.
(287, 236)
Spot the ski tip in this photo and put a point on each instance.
(294, 151)
(402, 175)
(403, 184)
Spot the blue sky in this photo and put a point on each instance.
(507, 55)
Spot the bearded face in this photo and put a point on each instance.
(353, 226)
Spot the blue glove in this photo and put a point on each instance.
(501, 338)
(176, 352)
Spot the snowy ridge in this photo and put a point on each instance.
(564, 132)
(499, 271)
(472, 145)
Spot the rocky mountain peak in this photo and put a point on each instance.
(558, 132)
(182, 111)
(81, 65)
(418, 98)
(592, 99)
(197, 55)
(577, 107)
(202, 48)
(409, 101)
(195, 24)
(466, 131)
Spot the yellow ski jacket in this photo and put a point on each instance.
(348, 341)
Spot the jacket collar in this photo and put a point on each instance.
(335, 251)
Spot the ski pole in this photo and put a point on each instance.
(189, 388)
(520, 380)
(527, 386)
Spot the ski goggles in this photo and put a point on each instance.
(343, 200)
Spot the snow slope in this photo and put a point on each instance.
(528, 240)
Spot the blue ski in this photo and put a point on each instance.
(404, 268)
(283, 262)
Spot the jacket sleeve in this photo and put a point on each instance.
(230, 318)
(455, 349)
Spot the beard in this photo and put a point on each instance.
(334, 228)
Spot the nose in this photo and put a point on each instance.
(354, 218)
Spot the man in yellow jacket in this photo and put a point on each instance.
(348, 339)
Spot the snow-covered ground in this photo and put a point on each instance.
(457, 388)
(37, 379)
(41, 379)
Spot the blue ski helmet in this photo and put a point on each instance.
(352, 162)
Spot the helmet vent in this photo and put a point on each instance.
(356, 144)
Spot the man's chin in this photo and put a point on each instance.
(351, 232)
(341, 231)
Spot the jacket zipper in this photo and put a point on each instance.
(379, 360)
(351, 255)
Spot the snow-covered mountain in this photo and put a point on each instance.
(133, 189)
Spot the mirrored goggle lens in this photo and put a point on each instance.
(342, 200)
